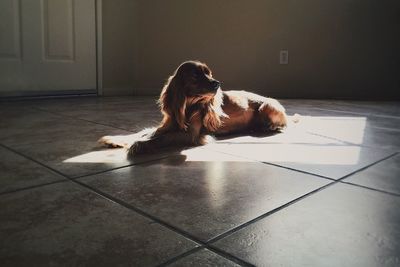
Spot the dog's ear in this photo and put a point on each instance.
(173, 102)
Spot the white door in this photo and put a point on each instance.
(47, 47)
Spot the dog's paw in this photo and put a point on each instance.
(278, 120)
(113, 141)
(275, 113)
(139, 147)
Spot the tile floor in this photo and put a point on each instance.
(326, 192)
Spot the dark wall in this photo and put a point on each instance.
(337, 49)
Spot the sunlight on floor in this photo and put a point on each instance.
(293, 153)
(104, 156)
(350, 129)
(206, 155)
(296, 145)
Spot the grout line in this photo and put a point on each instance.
(300, 171)
(33, 186)
(228, 256)
(180, 256)
(334, 139)
(212, 249)
(371, 188)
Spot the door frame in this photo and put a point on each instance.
(99, 46)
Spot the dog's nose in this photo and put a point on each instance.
(215, 84)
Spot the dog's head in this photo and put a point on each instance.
(195, 79)
(192, 82)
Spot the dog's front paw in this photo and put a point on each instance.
(140, 147)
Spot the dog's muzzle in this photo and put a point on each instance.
(215, 84)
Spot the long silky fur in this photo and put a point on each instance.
(214, 113)
(173, 104)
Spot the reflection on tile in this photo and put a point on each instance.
(204, 257)
(340, 226)
(384, 176)
(63, 224)
(18, 172)
(205, 198)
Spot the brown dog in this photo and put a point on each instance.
(193, 106)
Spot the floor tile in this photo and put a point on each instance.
(63, 105)
(203, 257)
(126, 113)
(18, 172)
(205, 193)
(23, 124)
(365, 130)
(378, 108)
(351, 121)
(343, 225)
(383, 176)
(35, 127)
(303, 151)
(64, 224)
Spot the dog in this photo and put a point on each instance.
(194, 106)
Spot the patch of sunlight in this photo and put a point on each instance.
(349, 129)
(104, 156)
(201, 154)
(295, 153)
(303, 143)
